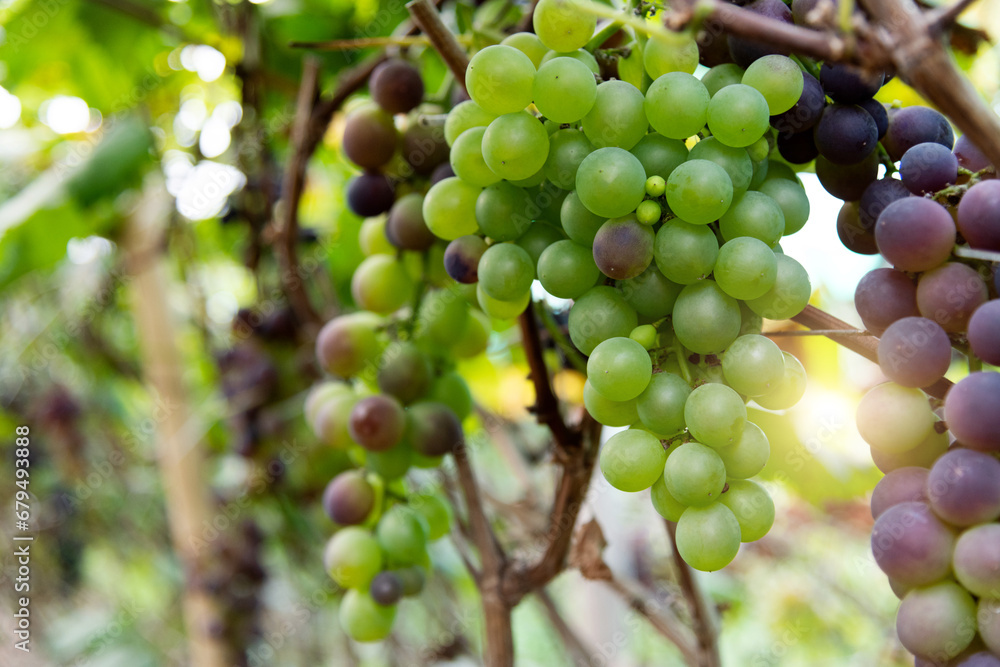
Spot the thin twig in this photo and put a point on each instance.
(580, 653)
(663, 620)
(368, 42)
(939, 20)
(546, 405)
(705, 629)
(425, 15)
(817, 332)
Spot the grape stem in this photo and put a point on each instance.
(426, 17)
(368, 42)
(682, 361)
(572, 354)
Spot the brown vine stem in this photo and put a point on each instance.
(705, 628)
(546, 407)
(425, 15)
(574, 644)
(663, 621)
(364, 43)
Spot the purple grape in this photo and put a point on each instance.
(855, 236)
(797, 148)
(902, 485)
(369, 194)
(806, 112)
(623, 248)
(914, 352)
(461, 258)
(846, 134)
(405, 372)
(884, 296)
(370, 137)
(972, 410)
(950, 294)
(910, 126)
(984, 332)
(922, 456)
(745, 51)
(847, 182)
(964, 487)
(989, 623)
(441, 172)
(878, 113)
(979, 215)
(433, 429)
(377, 422)
(969, 156)
(928, 167)
(849, 84)
(386, 588)
(349, 498)
(937, 622)
(424, 148)
(977, 560)
(396, 86)
(911, 545)
(979, 659)
(405, 228)
(915, 234)
(877, 197)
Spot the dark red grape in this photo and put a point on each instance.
(623, 248)
(911, 545)
(745, 51)
(964, 487)
(377, 422)
(852, 233)
(846, 134)
(396, 86)
(876, 197)
(979, 659)
(461, 258)
(878, 113)
(386, 588)
(910, 126)
(984, 332)
(806, 112)
(370, 193)
(950, 294)
(884, 296)
(405, 227)
(847, 182)
(433, 429)
(349, 498)
(914, 352)
(915, 234)
(969, 156)
(798, 148)
(370, 137)
(405, 372)
(441, 172)
(928, 167)
(902, 485)
(849, 84)
(921, 456)
(979, 215)
(972, 410)
(424, 147)
(713, 47)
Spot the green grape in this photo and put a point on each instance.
(348, 343)
(894, 419)
(789, 295)
(738, 115)
(450, 208)
(567, 149)
(538, 237)
(515, 145)
(435, 511)
(549, 199)
(601, 313)
(332, 418)
(505, 271)
(619, 368)
(566, 269)
(753, 365)
(645, 335)
(670, 52)
(532, 181)
(746, 268)
(563, 25)
(752, 507)
(390, 464)
(632, 460)
(648, 212)
(685, 253)
(466, 115)
(790, 197)
(609, 413)
(661, 404)
(442, 313)
(721, 76)
(499, 79)
(372, 238)
(320, 394)
(736, 162)
(659, 157)
(584, 56)
(655, 185)
(611, 182)
(778, 79)
(748, 455)
(564, 90)
(753, 214)
(401, 536)
(353, 557)
(760, 149)
(380, 284)
(504, 211)
(698, 191)
(706, 319)
(475, 336)
(578, 222)
(708, 538)
(363, 619)
(677, 105)
(694, 474)
(751, 323)
(790, 389)
(502, 310)
(450, 389)
(651, 293)
(777, 170)
(665, 504)
(467, 158)
(618, 117)
(528, 44)
(715, 415)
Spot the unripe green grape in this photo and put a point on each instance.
(515, 145)
(320, 393)
(567, 149)
(442, 313)
(715, 415)
(648, 212)
(499, 79)
(790, 197)
(390, 464)
(746, 268)
(564, 90)
(401, 536)
(670, 52)
(352, 557)
(753, 214)
(789, 295)
(363, 619)
(632, 460)
(529, 44)
(502, 310)
(450, 208)
(706, 319)
(893, 418)
(404, 372)
(578, 222)
(753, 365)
(607, 412)
(790, 389)
(504, 211)
(699, 191)
(474, 337)
(694, 474)
(736, 162)
(372, 238)
(435, 511)
(583, 55)
(601, 313)
(655, 186)
(562, 25)
(467, 159)
(777, 170)
(331, 421)
(465, 116)
(752, 506)
(619, 368)
(748, 455)
(738, 115)
(721, 76)
(685, 253)
(505, 271)
(659, 157)
(618, 116)
(610, 182)
(708, 538)
(665, 504)
(751, 322)
(380, 284)
(538, 237)
(451, 390)
(566, 269)
(645, 335)
(651, 293)
(677, 105)
(661, 404)
(778, 79)
(759, 150)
